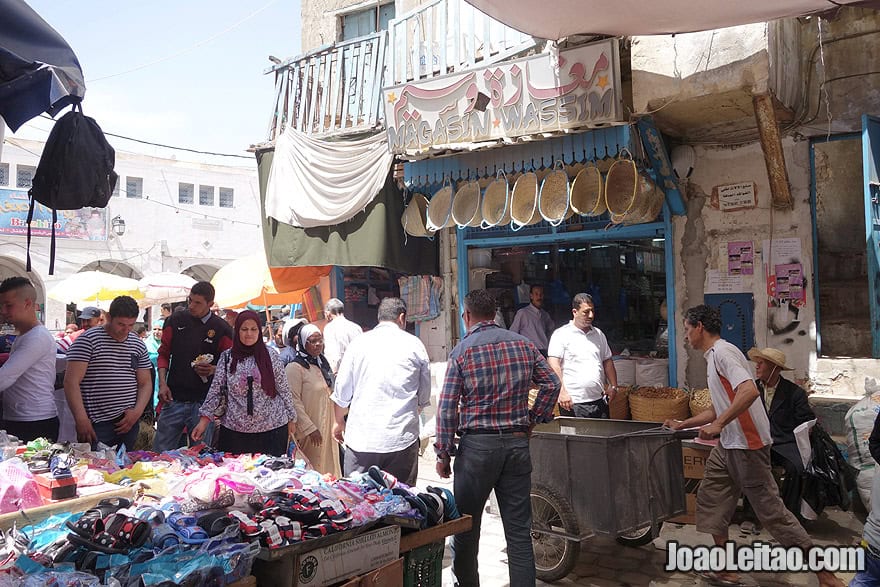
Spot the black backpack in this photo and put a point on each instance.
(75, 171)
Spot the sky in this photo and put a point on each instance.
(198, 79)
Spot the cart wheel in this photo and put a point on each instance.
(554, 556)
(639, 537)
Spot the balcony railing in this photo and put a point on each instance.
(336, 90)
(331, 90)
(443, 36)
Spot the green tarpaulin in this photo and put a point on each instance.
(373, 238)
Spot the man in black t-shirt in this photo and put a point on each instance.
(182, 386)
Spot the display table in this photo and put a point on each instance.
(88, 498)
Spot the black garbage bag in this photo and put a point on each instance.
(828, 479)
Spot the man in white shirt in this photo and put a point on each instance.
(385, 381)
(27, 379)
(533, 321)
(740, 464)
(338, 332)
(581, 358)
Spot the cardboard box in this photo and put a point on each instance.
(694, 466)
(391, 575)
(52, 489)
(334, 563)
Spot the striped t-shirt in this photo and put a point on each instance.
(727, 367)
(109, 386)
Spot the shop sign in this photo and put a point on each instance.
(83, 224)
(736, 196)
(515, 98)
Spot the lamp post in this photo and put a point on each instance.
(118, 225)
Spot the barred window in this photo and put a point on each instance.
(226, 198)
(24, 176)
(4, 173)
(185, 193)
(134, 187)
(206, 195)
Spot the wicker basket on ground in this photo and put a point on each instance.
(533, 395)
(619, 406)
(656, 404)
(700, 401)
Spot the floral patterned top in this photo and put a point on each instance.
(269, 413)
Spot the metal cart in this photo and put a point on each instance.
(616, 478)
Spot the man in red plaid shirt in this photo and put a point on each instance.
(485, 400)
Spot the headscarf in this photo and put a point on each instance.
(305, 359)
(160, 323)
(257, 350)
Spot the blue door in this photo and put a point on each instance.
(737, 317)
(870, 158)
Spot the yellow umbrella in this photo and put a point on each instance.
(94, 286)
(250, 281)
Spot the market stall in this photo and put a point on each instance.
(192, 516)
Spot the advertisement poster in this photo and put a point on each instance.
(740, 258)
(789, 284)
(83, 224)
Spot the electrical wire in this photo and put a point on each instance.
(188, 49)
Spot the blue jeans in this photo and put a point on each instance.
(106, 433)
(870, 577)
(500, 462)
(174, 418)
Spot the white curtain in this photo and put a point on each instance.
(316, 182)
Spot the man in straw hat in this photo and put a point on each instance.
(740, 464)
(788, 408)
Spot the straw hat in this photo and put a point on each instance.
(440, 208)
(770, 354)
(587, 193)
(553, 200)
(415, 217)
(524, 201)
(496, 202)
(466, 205)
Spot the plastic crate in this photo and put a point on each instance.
(423, 566)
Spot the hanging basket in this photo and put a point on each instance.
(587, 195)
(524, 201)
(656, 404)
(466, 205)
(496, 202)
(553, 200)
(621, 185)
(440, 208)
(415, 217)
(701, 400)
(646, 205)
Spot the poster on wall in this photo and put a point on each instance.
(83, 224)
(740, 258)
(789, 284)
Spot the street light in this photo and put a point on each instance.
(118, 225)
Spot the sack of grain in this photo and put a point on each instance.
(626, 371)
(619, 406)
(656, 404)
(700, 401)
(652, 372)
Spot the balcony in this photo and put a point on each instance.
(335, 90)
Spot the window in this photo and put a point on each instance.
(206, 195)
(4, 173)
(363, 22)
(24, 176)
(185, 193)
(226, 198)
(134, 187)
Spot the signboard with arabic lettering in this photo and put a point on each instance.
(83, 224)
(514, 98)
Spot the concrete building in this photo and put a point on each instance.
(178, 216)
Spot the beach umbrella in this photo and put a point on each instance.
(164, 287)
(94, 286)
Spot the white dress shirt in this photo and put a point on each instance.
(385, 378)
(27, 379)
(535, 324)
(338, 333)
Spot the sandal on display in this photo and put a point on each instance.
(163, 536)
(187, 529)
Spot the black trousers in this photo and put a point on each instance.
(271, 442)
(27, 431)
(594, 409)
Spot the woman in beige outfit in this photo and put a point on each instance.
(310, 380)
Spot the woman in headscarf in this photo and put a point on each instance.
(259, 416)
(311, 381)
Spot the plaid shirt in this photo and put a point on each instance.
(488, 378)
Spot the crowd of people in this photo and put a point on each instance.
(349, 400)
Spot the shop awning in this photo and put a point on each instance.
(636, 17)
(372, 238)
(249, 280)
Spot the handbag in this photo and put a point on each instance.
(224, 392)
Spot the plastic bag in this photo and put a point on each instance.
(859, 421)
(828, 479)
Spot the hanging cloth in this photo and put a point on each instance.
(316, 182)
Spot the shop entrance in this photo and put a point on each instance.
(627, 280)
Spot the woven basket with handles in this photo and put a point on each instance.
(524, 201)
(553, 199)
(588, 192)
(440, 208)
(496, 202)
(700, 401)
(466, 205)
(656, 404)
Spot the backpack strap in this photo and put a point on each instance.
(29, 218)
(52, 246)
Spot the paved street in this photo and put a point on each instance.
(603, 563)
